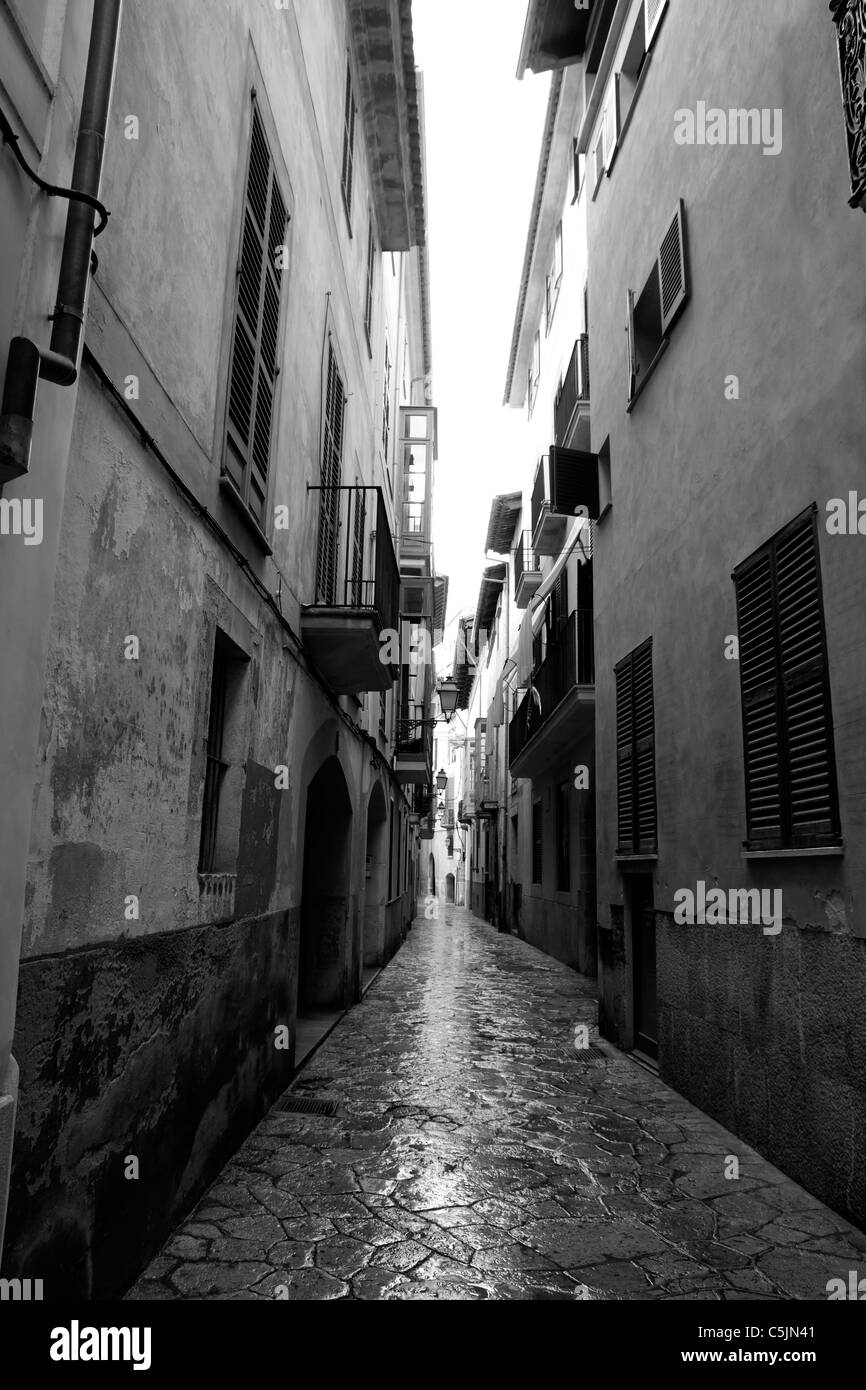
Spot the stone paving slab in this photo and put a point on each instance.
(478, 1155)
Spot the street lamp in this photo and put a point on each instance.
(442, 779)
(449, 693)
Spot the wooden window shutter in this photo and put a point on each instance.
(610, 123)
(332, 454)
(673, 282)
(255, 343)
(632, 354)
(653, 11)
(625, 758)
(808, 718)
(790, 764)
(348, 171)
(635, 747)
(371, 267)
(759, 686)
(645, 757)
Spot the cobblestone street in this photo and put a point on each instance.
(476, 1154)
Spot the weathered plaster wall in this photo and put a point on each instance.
(153, 1036)
(778, 298)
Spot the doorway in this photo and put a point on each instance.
(323, 963)
(376, 881)
(639, 892)
(449, 888)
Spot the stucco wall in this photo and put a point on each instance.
(699, 482)
(153, 1035)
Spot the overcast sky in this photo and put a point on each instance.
(483, 138)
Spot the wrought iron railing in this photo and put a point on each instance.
(356, 563)
(575, 387)
(569, 662)
(525, 561)
(415, 740)
(540, 491)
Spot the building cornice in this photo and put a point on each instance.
(388, 100)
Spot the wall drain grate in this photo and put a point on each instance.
(592, 1054)
(302, 1105)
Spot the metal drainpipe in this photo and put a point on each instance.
(59, 364)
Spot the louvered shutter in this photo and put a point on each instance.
(635, 752)
(673, 285)
(808, 719)
(759, 687)
(791, 791)
(632, 356)
(645, 758)
(653, 11)
(332, 453)
(610, 121)
(625, 762)
(359, 500)
(255, 346)
(348, 172)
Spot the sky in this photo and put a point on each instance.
(484, 133)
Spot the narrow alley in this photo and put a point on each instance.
(477, 1153)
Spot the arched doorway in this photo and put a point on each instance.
(376, 881)
(431, 876)
(323, 961)
(449, 888)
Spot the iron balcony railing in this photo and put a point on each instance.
(356, 563)
(525, 561)
(420, 799)
(570, 661)
(415, 740)
(575, 387)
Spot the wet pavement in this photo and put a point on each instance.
(478, 1154)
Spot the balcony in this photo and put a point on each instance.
(420, 802)
(555, 35)
(565, 685)
(527, 575)
(357, 591)
(566, 485)
(413, 755)
(571, 411)
(489, 797)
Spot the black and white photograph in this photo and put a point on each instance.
(432, 673)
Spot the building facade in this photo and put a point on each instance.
(721, 175)
(205, 694)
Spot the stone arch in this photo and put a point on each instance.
(326, 911)
(376, 880)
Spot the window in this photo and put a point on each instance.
(450, 846)
(256, 331)
(537, 841)
(554, 279)
(633, 65)
(383, 715)
(635, 753)
(610, 122)
(332, 463)
(579, 172)
(654, 11)
(386, 405)
(535, 371)
(653, 313)
(598, 161)
(368, 301)
(348, 172)
(790, 765)
(563, 837)
(220, 818)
